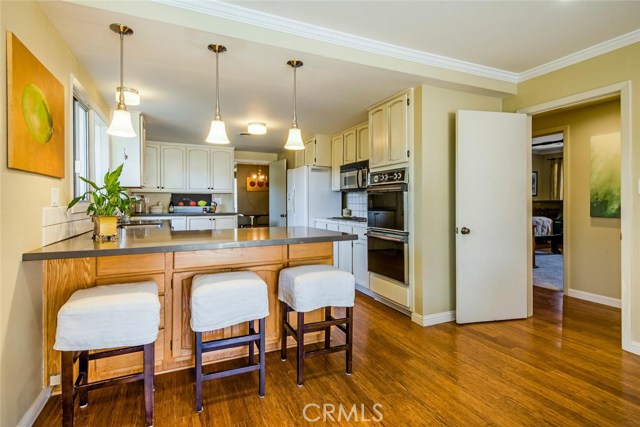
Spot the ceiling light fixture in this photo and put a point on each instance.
(217, 133)
(257, 128)
(121, 122)
(131, 96)
(294, 141)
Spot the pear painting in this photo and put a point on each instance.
(35, 113)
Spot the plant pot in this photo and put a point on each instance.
(105, 227)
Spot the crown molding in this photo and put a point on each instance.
(582, 55)
(289, 26)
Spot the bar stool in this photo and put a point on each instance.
(105, 317)
(309, 287)
(224, 299)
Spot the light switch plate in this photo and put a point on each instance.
(54, 380)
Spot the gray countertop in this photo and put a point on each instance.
(154, 239)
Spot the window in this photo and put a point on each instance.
(80, 145)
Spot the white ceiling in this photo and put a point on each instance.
(174, 72)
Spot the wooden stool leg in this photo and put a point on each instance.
(84, 371)
(300, 348)
(349, 339)
(251, 355)
(283, 343)
(261, 346)
(198, 345)
(67, 388)
(148, 356)
(327, 330)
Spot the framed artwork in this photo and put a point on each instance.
(534, 183)
(604, 191)
(35, 113)
(254, 184)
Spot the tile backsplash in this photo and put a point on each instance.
(357, 202)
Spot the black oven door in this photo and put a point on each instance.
(388, 255)
(386, 207)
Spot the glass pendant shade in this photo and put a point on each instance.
(121, 124)
(294, 142)
(131, 96)
(217, 133)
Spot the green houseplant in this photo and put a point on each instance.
(105, 203)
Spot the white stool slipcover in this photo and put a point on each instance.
(310, 287)
(224, 299)
(121, 315)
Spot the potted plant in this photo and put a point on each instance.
(105, 203)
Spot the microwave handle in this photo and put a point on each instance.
(358, 182)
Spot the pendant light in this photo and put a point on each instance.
(294, 142)
(131, 96)
(121, 122)
(217, 133)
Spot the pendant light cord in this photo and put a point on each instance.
(218, 117)
(295, 119)
(121, 99)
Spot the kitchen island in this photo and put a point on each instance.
(171, 259)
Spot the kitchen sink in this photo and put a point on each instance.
(141, 223)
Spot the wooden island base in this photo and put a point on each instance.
(173, 272)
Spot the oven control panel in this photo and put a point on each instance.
(388, 177)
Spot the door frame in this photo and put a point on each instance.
(626, 194)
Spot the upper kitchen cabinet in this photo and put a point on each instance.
(317, 151)
(362, 142)
(389, 132)
(164, 167)
(350, 146)
(337, 151)
(210, 169)
(129, 152)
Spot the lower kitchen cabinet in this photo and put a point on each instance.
(351, 255)
(211, 223)
(360, 265)
(345, 250)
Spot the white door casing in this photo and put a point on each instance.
(493, 185)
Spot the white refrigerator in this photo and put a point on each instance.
(309, 196)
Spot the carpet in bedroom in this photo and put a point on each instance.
(549, 273)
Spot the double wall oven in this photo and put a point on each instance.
(388, 231)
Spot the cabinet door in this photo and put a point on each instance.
(200, 223)
(362, 143)
(336, 161)
(360, 266)
(179, 223)
(128, 152)
(299, 158)
(378, 137)
(198, 178)
(345, 251)
(310, 152)
(398, 127)
(222, 171)
(322, 150)
(173, 168)
(332, 226)
(225, 223)
(350, 146)
(152, 167)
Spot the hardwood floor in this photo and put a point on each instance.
(562, 367)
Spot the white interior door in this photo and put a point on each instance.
(278, 193)
(493, 184)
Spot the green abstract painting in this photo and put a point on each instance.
(605, 176)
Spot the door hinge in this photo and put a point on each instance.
(408, 102)
(171, 345)
(408, 153)
(172, 283)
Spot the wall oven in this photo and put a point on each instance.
(387, 228)
(353, 176)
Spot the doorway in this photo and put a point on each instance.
(252, 194)
(623, 91)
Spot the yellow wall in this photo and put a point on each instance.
(619, 66)
(593, 256)
(22, 197)
(540, 163)
(435, 141)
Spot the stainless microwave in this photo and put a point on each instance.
(353, 176)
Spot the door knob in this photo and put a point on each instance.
(465, 230)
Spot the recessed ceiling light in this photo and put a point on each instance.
(257, 128)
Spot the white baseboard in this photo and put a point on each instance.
(633, 347)
(599, 299)
(433, 319)
(29, 418)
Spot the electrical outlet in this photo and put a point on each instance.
(54, 380)
(55, 196)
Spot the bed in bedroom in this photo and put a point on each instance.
(547, 226)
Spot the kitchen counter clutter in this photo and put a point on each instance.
(171, 259)
(177, 214)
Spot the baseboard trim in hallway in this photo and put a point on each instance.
(599, 299)
(434, 319)
(30, 417)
